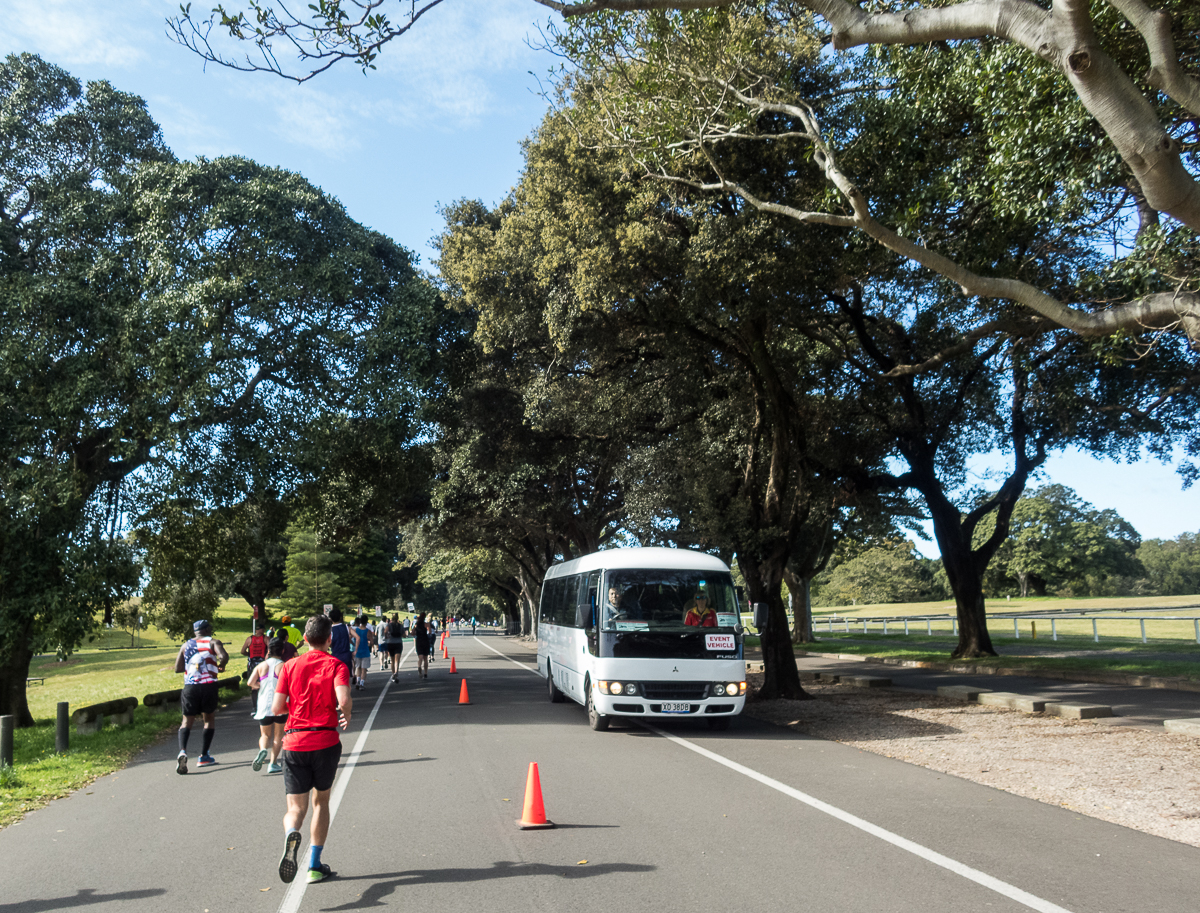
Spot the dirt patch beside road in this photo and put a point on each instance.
(1148, 781)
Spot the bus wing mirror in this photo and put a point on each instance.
(583, 615)
(760, 614)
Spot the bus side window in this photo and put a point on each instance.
(569, 598)
(593, 591)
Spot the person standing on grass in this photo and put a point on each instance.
(263, 679)
(314, 691)
(201, 660)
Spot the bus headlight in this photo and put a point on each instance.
(736, 688)
(719, 690)
(615, 688)
(603, 686)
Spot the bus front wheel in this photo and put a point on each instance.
(556, 696)
(597, 720)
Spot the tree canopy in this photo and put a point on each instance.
(170, 325)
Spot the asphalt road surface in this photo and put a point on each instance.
(672, 819)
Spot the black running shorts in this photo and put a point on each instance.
(394, 648)
(198, 699)
(305, 770)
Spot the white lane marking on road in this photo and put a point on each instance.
(982, 878)
(524, 666)
(295, 894)
(1000, 887)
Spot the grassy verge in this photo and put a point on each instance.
(1129, 662)
(38, 775)
(90, 676)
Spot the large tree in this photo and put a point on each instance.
(1128, 68)
(154, 313)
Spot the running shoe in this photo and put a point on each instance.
(181, 763)
(288, 865)
(207, 760)
(258, 761)
(321, 873)
(275, 768)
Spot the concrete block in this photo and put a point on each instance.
(961, 692)
(84, 726)
(867, 681)
(1183, 727)
(1012, 701)
(1078, 711)
(122, 719)
(164, 707)
(830, 677)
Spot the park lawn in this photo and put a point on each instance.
(922, 649)
(115, 663)
(38, 775)
(997, 606)
(90, 676)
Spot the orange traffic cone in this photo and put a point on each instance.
(445, 653)
(463, 698)
(453, 667)
(534, 815)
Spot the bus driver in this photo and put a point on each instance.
(622, 606)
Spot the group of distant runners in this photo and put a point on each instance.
(303, 699)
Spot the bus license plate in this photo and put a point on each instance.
(676, 708)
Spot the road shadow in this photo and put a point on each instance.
(385, 884)
(84, 897)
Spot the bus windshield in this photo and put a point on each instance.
(668, 601)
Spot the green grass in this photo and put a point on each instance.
(1005, 606)
(90, 676)
(39, 775)
(112, 665)
(922, 649)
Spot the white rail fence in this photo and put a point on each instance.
(892, 625)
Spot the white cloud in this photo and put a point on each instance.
(74, 33)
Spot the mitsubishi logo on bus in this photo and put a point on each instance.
(676, 669)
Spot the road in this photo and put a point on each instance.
(663, 820)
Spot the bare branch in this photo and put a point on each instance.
(629, 6)
(1165, 72)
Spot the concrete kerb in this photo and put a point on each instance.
(1183, 727)
(972, 694)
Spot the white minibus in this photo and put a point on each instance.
(643, 633)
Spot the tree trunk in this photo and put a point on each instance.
(14, 670)
(800, 589)
(764, 583)
(966, 582)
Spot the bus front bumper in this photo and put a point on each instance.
(640, 706)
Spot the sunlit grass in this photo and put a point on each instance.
(922, 650)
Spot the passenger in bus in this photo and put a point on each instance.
(700, 614)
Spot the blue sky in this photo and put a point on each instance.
(441, 119)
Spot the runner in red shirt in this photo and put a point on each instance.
(314, 691)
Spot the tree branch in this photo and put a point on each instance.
(1165, 73)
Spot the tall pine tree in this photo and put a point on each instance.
(310, 575)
